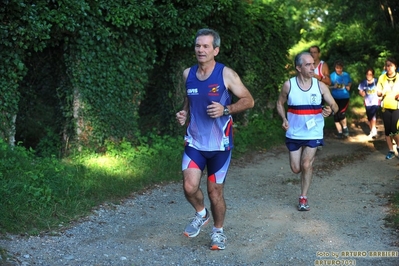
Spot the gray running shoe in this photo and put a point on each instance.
(218, 241)
(194, 227)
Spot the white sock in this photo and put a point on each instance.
(202, 213)
(215, 229)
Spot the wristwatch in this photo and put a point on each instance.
(226, 111)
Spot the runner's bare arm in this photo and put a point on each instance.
(235, 85)
(326, 73)
(181, 116)
(282, 98)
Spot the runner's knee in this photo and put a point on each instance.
(295, 169)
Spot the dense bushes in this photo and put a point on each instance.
(80, 73)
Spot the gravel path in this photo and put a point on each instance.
(263, 227)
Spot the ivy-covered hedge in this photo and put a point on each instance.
(78, 73)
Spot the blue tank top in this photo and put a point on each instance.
(304, 113)
(203, 132)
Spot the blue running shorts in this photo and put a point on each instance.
(216, 162)
(296, 144)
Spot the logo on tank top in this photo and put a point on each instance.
(193, 91)
(313, 98)
(213, 90)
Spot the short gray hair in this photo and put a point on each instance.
(206, 32)
(298, 58)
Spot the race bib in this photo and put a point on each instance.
(310, 123)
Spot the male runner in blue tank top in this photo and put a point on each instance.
(209, 140)
(304, 121)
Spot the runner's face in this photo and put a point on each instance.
(390, 67)
(369, 75)
(339, 70)
(307, 67)
(204, 50)
(315, 54)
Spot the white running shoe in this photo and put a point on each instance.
(373, 133)
(194, 227)
(218, 241)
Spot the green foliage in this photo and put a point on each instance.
(104, 53)
(108, 65)
(262, 132)
(50, 144)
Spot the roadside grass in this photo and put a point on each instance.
(392, 218)
(3, 254)
(43, 194)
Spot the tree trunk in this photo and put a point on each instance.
(78, 116)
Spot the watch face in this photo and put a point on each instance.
(226, 111)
